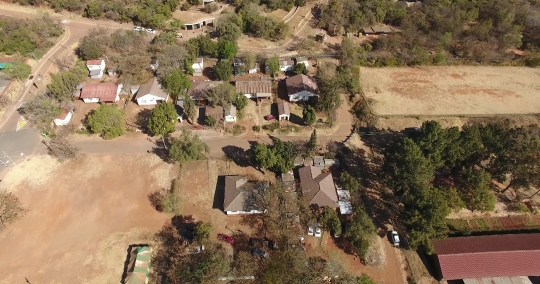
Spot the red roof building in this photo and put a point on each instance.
(489, 256)
(100, 92)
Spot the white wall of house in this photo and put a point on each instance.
(65, 121)
(253, 71)
(149, 99)
(91, 100)
(286, 68)
(301, 96)
(98, 76)
(230, 118)
(244, 212)
(306, 63)
(249, 96)
(100, 67)
(284, 116)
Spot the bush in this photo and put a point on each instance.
(210, 8)
(518, 207)
(185, 6)
(170, 201)
(238, 129)
(272, 126)
(256, 128)
(210, 121)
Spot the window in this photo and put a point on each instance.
(143, 101)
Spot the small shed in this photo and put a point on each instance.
(284, 111)
(230, 113)
(318, 161)
(64, 118)
(215, 112)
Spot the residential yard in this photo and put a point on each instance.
(82, 217)
(452, 90)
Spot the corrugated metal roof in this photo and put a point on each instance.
(499, 280)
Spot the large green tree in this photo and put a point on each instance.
(108, 121)
(226, 49)
(273, 65)
(176, 83)
(475, 189)
(278, 156)
(190, 110)
(222, 94)
(309, 115)
(223, 70)
(18, 71)
(163, 119)
(360, 232)
(188, 147)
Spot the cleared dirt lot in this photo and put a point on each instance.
(452, 90)
(83, 216)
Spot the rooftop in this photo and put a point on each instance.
(317, 187)
(106, 92)
(254, 87)
(199, 89)
(283, 108)
(215, 112)
(153, 87)
(230, 109)
(299, 83)
(94, 62)
(240, 195)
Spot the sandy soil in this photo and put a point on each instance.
(452, 90)
(83, 216)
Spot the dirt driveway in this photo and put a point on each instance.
(482, 90)
(83, 216)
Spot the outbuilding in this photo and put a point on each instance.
(284, 112)
(230, 113)
(101, 92)
(64, 118)
(96, 68)
(257, 89)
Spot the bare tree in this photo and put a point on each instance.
(11, 208)
(5, 101)
(64, 62)
(61, 147)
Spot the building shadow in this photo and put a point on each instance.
(238, 155)
(202, 115)
(282, 90)
(296, 119)
(219, 194)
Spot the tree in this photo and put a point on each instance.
(90, 48)
(18, 71)
(11, 208)
(330, 219)
(223, 70)
(190, 110)
(309, 115)
(108, 121)
(228, 28)
(188, 147)
(202, 231)
(210, 8)
(201, 267)
(433, 142)
(92, 10)
(348, 53)
(163, 119)
(240, 102)
(61, 148)
(329, 99)
(210, 121)
(226, 49)
(475, 189)
(222, 94)
(41, 110)
(278, 157)
(360, 232)
(250, 60)
(273, 65)
(365, 279)
(349, 182)
(311, 145)
(175, 83)
(300, 68)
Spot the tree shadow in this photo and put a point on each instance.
(162, 153)
(141, 119)
(126, 263)
(185, 226)
(238, 155)
(219, 194)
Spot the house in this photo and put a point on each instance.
(259, 89)
(96, 68)
(151, 93)
(77, 92)
(101, 92)
(318, 161)
(379, 30)
(154, 64)
(241, 195)
(198, 66)
(230, 113)
(302, 59)
(199, 90)
(5, 62)
(286, 65)
(215, 112)
(240, 69)
(474, 257)
(180, 109)
(64, 118)
(300, 88)
(138, 265)
(284, 111)
(318, 188)
(344, 201)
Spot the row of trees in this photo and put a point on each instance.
(464, 162)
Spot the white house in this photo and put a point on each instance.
(254, 89)
(284, 111)
(303, 60)
(300, 88)
(198, 66)
(96, 68)
(239, 195)
(64, 118)
(151, 93)
(101, 92)
(230, 113)
(286, 65)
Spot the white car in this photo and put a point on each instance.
(318, 232)
(395, 238)
(310, 231)
(150, 31)
(137, 29)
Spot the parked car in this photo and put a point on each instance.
(260, 253)
(270, 117)
(225, 238)
(150, 31)
(310, 231)
(395, 238)
(199, 249)
(138, 29)
(318, 232)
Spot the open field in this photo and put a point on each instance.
(82, 217)
(452, 90)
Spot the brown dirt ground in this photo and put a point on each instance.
(82, 217)
(452, 90)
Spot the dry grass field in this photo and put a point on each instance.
(452, 90)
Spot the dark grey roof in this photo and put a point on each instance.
(317, 187)
(298, 83)
(241, 195)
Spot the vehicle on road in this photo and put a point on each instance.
(138, 29)
(260, 253)
(395, 238)
(318, 232)
(225, 238)
(150, 31)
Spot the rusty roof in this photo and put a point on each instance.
(254, 87)
(94, 62)
(317, 187)
(489, 256)
(299, 83)
(215, 112)
(199, 89)
(106, 92)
